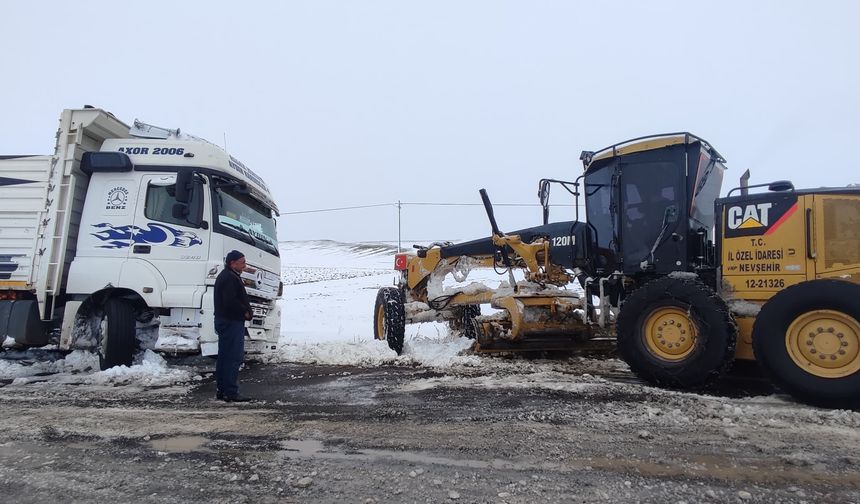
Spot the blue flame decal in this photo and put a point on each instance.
(154, 234)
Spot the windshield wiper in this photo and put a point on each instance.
(253, 241)
(251, 238)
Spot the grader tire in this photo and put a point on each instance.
(389, 318)
(464, 322)
(469, 313)
(676, 332)
(807, 339)
(117, 344)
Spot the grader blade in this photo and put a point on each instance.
(533, 322)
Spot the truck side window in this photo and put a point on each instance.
(159, 204)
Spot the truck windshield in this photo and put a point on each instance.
(241, 216)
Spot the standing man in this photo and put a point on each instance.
(232, 309)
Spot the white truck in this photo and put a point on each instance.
(113, 243)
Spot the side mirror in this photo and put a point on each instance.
(190, 210)
(183, 185)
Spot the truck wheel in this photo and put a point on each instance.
(807, 339)
(116, 347)
(676, 332)
(389, 318)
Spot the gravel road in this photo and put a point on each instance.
(511, 431)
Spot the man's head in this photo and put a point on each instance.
(235, 260)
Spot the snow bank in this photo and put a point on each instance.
(337, 353)
(76, 362)
(424, 351)
(446, 352)
(81, 367)
(152, 370)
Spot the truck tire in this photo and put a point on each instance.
(117, 344)
(676, 332)
(807, 339)
(389, 318)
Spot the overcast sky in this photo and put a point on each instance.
(359, 103)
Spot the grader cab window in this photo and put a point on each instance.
(841, 232)
(599, 214)
(710, 180)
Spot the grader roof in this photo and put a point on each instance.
(646, 143)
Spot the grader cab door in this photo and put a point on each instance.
(652, 203)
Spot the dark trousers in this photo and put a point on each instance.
(231, 353)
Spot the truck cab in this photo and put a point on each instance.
(138, 225)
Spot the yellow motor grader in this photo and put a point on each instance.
(685, 281)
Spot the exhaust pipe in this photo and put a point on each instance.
(745, 182)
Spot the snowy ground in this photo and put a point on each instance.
(342, 417)
(329, 294)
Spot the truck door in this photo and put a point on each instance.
(167, 240)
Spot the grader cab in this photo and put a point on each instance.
(655, 267)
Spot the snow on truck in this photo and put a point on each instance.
(113, 243)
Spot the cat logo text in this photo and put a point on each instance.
(749, 216)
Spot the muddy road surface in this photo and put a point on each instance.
(509, 431)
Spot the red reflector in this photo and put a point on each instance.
(401, 261)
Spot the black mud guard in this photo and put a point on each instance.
(20, 320)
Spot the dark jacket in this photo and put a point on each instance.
(231, 300)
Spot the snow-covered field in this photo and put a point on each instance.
(329, 294)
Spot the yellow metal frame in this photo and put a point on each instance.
(640, 146)
(532, 257)
(12, 284)
(517, 306)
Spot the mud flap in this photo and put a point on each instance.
(19, 319)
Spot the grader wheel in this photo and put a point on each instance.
(669, 333)
(807, 338)
(389, 318)
(676, 332)
(464, 324)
